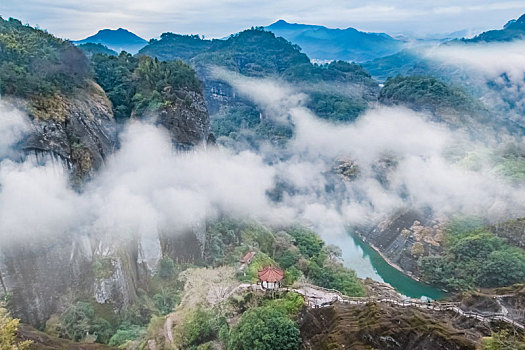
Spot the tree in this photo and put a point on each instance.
(333, 253)
(282, 241)
(166, 267)
(79, 321)
(502, 268)
(308, 242)
(8, 329)
(265, 328)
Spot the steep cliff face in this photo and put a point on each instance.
(38, 277)
(79, 130)
(186, 119)
(41, 279)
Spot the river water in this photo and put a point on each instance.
(366, 262)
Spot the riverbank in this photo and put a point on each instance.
(389, 273)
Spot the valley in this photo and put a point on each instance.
(144, 185)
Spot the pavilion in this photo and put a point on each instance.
(270, 277)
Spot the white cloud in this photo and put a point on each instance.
(13, 126)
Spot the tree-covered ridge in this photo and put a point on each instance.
(91, 49)
(448, 103)
(172, 46)
(33, 62)
(254, 52)
(424, 92)
(259, 53)
(140, 84)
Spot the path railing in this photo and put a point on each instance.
(409, 302)
(322, 297)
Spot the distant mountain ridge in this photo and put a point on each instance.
(116, 39)
(512, 30)
(322, 43)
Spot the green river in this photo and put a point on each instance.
(366, 262)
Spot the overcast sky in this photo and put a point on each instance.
(76, 19)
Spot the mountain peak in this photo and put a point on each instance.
(516, 23)
(280, 22)
(116, 39)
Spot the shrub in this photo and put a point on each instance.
(199, 327)
(166, 268)
(265, 328)
(308, 242)
(125, 333)
(8, 329)
(79, 320)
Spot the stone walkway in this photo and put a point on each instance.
(317, 297)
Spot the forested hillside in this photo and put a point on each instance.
(35, 63)
(338, 91)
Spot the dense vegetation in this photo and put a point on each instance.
(254, 52)
(298, 250)
(406, 63)
(172, 46)
(423, 92)
(35, 63)
(338, 91)
(141, 84)
(474, 257)
(265, 328)
(91, 49)
(247, 321)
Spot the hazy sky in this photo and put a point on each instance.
(75, 19)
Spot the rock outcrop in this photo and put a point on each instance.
(42, 278)
(79, 130)
(381, 326)
(186, 119)
(404, 237)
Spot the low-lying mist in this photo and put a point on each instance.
(494, 72)
(401, 160)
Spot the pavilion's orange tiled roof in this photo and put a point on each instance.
(271, 274)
